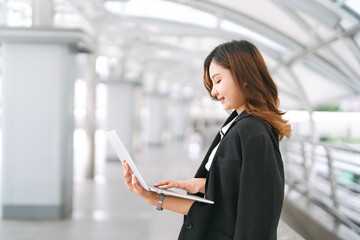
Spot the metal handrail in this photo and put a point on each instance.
(308, 167)
(337, 160)
(333, 211)
(343, 147)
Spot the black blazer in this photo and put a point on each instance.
(246, 181)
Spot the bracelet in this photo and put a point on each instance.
(160, 202)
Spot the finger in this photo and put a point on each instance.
(128, 169)
(127, 175)
(123, 162)
(164, 182)
(169, 185)
(125, 167)
(175, 184)
(130, 184)
(128, 180)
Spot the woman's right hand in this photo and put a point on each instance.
(192, 186)
(133, 185)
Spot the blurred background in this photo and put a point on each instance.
(71, 70)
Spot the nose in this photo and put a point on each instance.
(214, 91)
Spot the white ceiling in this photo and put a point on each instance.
(311, 46)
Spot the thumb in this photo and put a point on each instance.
(139, 189)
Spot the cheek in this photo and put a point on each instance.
(237, 96)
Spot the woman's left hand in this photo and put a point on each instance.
(192, 186)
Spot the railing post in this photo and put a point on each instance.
(284, 147)
(305, 168)
(304, 163)
(285, 153)
(313, 161)
(332, 178)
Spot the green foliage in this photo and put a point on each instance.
(327, 108)
(337, 139)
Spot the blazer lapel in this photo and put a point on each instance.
(230, 118)
(242, 115)
(202, 172)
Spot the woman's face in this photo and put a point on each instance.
(225, 88)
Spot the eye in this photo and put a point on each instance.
(218, 81)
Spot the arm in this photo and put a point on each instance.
(261, 191)
(174, 204)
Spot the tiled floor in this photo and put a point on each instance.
(105, 210)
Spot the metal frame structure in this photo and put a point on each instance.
(326, 13)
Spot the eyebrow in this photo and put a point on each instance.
(212, 78)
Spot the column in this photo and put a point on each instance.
(177, 118)
(155, 123)
(121, 105)
(3, 13)
(38, 92)
(91, 80)
(43, 12)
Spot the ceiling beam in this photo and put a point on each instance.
(242, 19)
(312, 48)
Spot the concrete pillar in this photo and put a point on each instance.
(116, 67)
(177, 118)
(91, 80)
(43, 12)
(37, 124)
(121, 113)
(85, 120)
(3, 13)
(155, 125)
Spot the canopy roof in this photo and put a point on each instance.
(310, 46)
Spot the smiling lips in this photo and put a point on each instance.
(221, 100)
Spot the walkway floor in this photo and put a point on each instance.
(105, 210)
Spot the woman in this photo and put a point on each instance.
(242, 171)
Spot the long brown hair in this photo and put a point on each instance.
(249, 70)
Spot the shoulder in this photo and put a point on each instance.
(251, 125)
(250, 128)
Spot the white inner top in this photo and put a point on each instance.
(222, 133)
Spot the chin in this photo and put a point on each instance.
(227, 108)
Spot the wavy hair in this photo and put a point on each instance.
(250, 72)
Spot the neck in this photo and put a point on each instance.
(240, 109)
